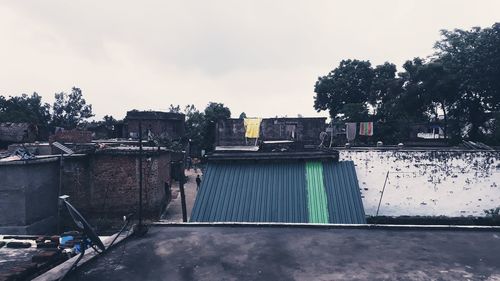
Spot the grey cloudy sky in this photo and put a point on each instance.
(260, 57)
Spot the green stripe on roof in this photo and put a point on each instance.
(316, 194)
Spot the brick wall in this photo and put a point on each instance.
(72, 136)
(108, 182)
(76, 181)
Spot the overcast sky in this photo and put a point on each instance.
(260, 57)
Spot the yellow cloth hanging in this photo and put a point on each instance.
(252, 126)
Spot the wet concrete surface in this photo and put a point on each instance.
(173, 213)
(298, 253)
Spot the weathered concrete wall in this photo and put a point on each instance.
(231, 132)
(299, 129)
(28, 196)
(427, 183)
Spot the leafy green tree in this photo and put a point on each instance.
(439, 88)
(349, 83)
(109, 120)
(70, 110)
(213, 112)
(354, 112)
(24, 108)
(194, 125)
(385, 86)
(174, 108)
(473, 59)
(29, 109)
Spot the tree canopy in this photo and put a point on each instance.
(70, 110)
(459, 83)
(25, 108)
(200, 125)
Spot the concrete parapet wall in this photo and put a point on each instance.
(427, 183)
(28, 193)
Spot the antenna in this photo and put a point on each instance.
(82, 223)
(88, 234)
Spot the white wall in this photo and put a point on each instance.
(427, 183)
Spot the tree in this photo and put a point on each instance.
(352, 112)
(349, 83)
(194, 125)
(473, 58)
(385, 85)
(243, 115)
(460, 81)
(109, 120)
(25, 108)
(174, 109)
(213, 112)
(70, 110)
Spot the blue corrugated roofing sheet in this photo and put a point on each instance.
(251, 192)
(342, 189)
(276, 192)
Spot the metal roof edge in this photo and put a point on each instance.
(302, 155)
(333, 226)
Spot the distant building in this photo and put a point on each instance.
(304, 131)
(427, 131)
(17, 132)
(100, 182)
(101, 130)
(155, 125)
(107, 181)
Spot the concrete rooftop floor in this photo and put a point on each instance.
(299, 253)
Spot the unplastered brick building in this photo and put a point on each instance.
(107, 181)
(155, 124)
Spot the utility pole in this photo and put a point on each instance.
(140, 174)
(59, 205)
(183, 196)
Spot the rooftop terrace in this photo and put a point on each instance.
(195, 252)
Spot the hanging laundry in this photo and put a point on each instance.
(350, 131)
(290, 130)
(366, 128)
(252, 126)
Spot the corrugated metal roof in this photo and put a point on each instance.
(248, 192)
(342, 189)
(294, 192)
